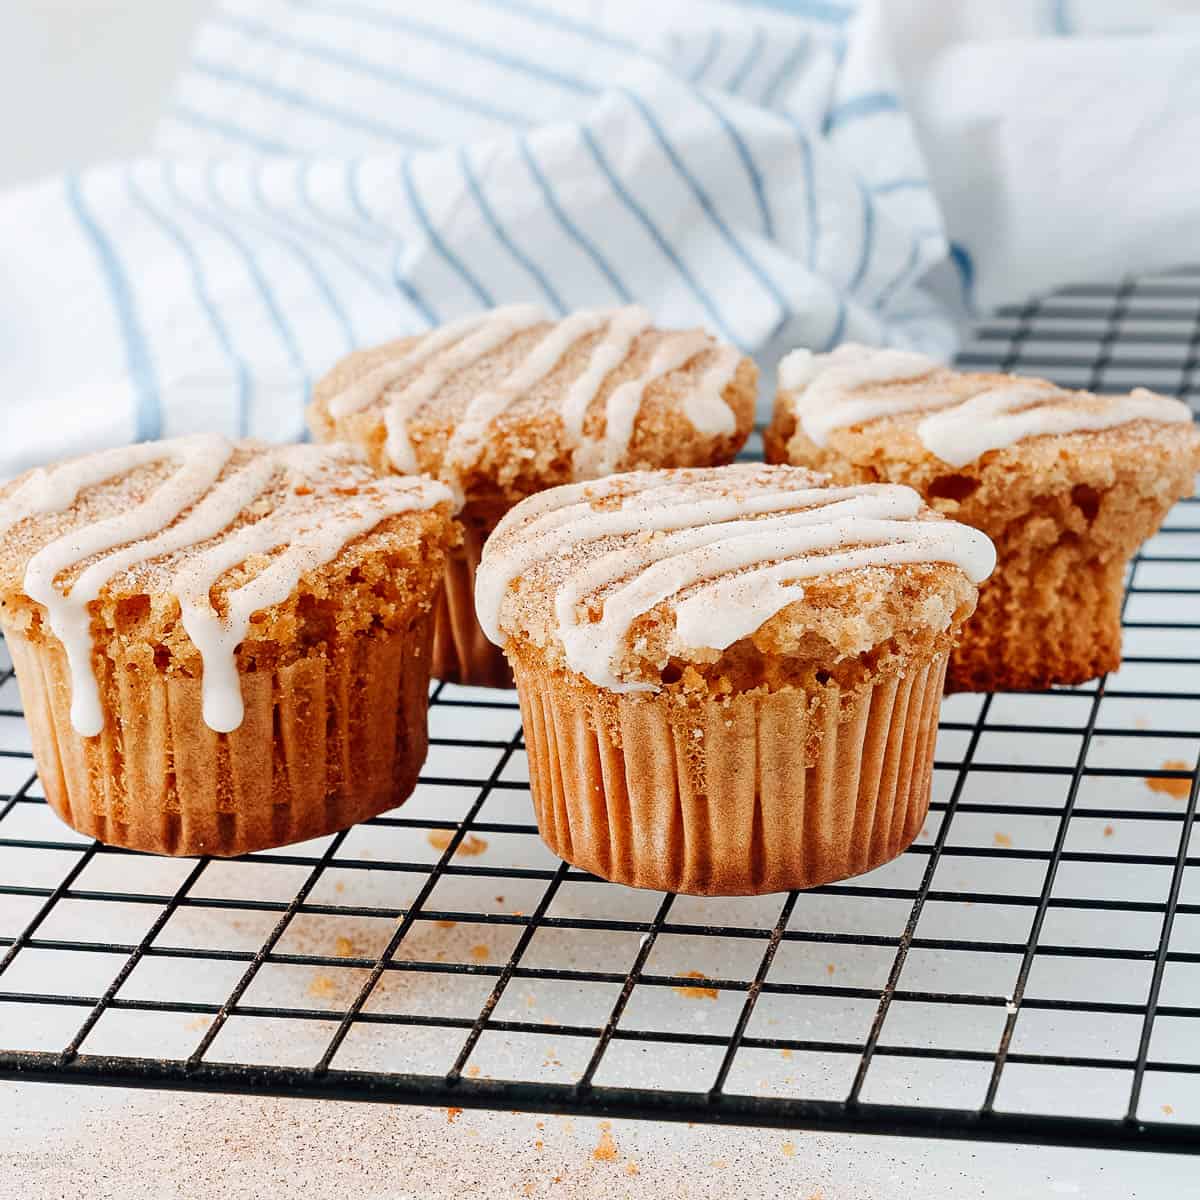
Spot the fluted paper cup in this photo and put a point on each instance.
(764, 791)
(326, 741)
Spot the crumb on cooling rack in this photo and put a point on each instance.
(322, 985)
(1109, 831)
(692, 992)
(470, 846)
(1003, 839)
(452, 1115)
(1179, 788)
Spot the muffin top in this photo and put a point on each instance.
(505, 403)
(857, 397)
(213, 552)
(631, 580)
(989, 449)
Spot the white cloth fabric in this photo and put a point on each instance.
(332, 173)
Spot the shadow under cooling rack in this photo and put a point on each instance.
(1029, 971)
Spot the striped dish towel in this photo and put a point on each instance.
(332, 173)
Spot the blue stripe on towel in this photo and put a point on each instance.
(785, 70)
(291, 98)
(453, 41)
(702, 68)
(452, 260)
(747, 159)
(656, 234)
(270, 301)
(531, 268)
(961, 258)
(814, 10)
(230, 131)
(810, 198)
(556, 20)
(867, 105)
(148, 402)
(909, 183)
(748, 63)
(868, 241)
(204, 297)
(362, 66)
(710, 209)
(407, 287)
(572, 230)
(367, 230)
(893, 285)
(839, 327)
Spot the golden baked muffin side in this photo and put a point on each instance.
(729, 677)
(1066, 484)
(221, 646)
(507, 403)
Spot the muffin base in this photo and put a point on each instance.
(1054, 622)
(327, 741)
(462, 652)
(762, 792)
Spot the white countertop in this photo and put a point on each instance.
(80, 82)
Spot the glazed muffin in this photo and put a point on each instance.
(1067, 485)
(729, 678)
(506, 403)
(222, 647)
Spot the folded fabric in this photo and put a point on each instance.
(332, 173)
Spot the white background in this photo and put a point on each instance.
(81, 82)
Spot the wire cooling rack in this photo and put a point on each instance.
(1028, 971)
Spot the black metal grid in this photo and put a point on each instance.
(1066, 953)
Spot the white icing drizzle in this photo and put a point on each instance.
(1002, 416)
(542, 359)
(958, 430)
(625, 402)
(156, 528)
(705, 404)
(501, 325)
(374, 383)
(49, 490)
(200, 461)
(730, 555)
(308, 546)
(627, 325)
(823, 383)
(429, 364)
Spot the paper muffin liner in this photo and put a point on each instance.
(462, 652)
(1057, 622)
(768, 792)
(326, 741)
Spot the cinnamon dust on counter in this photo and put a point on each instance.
(606, 1148)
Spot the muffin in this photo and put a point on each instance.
(729, 678)
(221, 647)
(507, 403)
(1067, 485)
